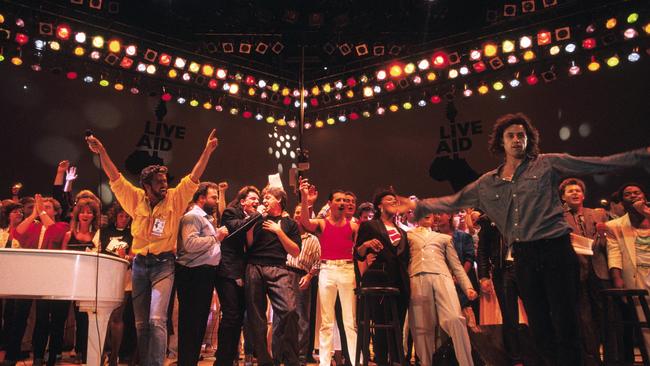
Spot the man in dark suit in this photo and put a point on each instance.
(594, 276)
(241, 213)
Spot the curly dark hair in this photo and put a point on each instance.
(495, 142)
(241, 194)
(147, 174)
(5, 211)
(113, 211)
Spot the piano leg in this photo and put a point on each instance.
(97, 319)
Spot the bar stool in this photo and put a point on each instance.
(365, 324)
(629, 297)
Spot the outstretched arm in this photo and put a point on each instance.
(107, 164)
(210, 146)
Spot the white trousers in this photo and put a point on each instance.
(332, 279)
(434, 301)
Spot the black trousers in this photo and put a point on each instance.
(50, 322)
(276, 283)
(18, 311)
(195, 286)
(233, 306)
(81, 333)
(505, 286)
(548, 277)
(303, 304)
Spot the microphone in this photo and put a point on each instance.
(89, 132)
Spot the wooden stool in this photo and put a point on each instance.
(365, 324)
(629, 297)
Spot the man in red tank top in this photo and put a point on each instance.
(337, 235)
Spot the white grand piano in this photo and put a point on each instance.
(67, 275)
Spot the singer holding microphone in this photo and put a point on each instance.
(156, 210)
(267, 275)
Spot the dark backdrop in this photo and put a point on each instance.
(44, 117)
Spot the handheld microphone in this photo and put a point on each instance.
(89, 132)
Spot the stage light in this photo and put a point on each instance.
(474, 55)
(532, 79)
(634, 56)
(2, 18)
(467, 92)
(20, 22)
(570, 47)
(95, 55)
(389, 86)
(613, 61)
(423, 64)
(55, 46)
(330, 120)
(395, 71)
(134, 90)
(498, 85)
(21, 39)
(376, 89)
(529, 55)
(103, 82)
(463, 70)
(115, 46)
(646, 28)
(286, 100)
(610, 23)
(407, 105)
(338, 85)
(180, 63)
(327, 88)
(270, 119)
(589, 43)
(525, 42)
(194, 103)
(431, 76)
(207, 105)
(490, 49)
(543, 38)
(247, 114)
(261, 83)
(166, 97)
(39, 44)
(79, 51)
(440, 60)
(221, 73)
(363, 79)
(422, 102)
(17, 60)
(213, 84)
(574, 69)
(381, 75)
(186, 76)
(285, 92)
(319, 123)
(453, 73)
(417, 80)
(207, 70)
(88, 79)
(249, 80)
(71, 75)
(393, 107)
(164, 59)
(80, 37)
(264, 95)
(367, 92)
(194, 67)
(479, 66)
(234, 88)
(151, 69)
(630, 33)
(126, 63)
(351, 82)
(342, 117)
(593, 65)
(514, 83)
(296, 104)
(528, 6)
(381, 110)
(435, 99)
(259, 116)
(554, 50)
(483, 89)
(313, 102)
(507, 46)
(172, 74)
(315, 91)
(98, 41)
(63, 31)
(118, 86)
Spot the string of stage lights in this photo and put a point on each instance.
(509, 60)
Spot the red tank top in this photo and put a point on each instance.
(336, 242)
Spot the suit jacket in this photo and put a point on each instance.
(233, 256)
(621, 250)
(588, 219)
(391, 266)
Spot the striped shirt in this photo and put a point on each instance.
(309, 258)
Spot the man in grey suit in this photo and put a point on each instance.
(594, 275)
(198, 254)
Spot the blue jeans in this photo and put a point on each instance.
(153, 277)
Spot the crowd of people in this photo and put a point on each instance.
(274, 269)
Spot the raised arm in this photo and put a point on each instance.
(305, 220)
(107, 164)
(210, 146)
(465, 198)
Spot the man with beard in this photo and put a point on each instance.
(628, 244)
(198, 254)
(520, 197)
(156, 212)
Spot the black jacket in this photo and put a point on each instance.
(233, 256)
